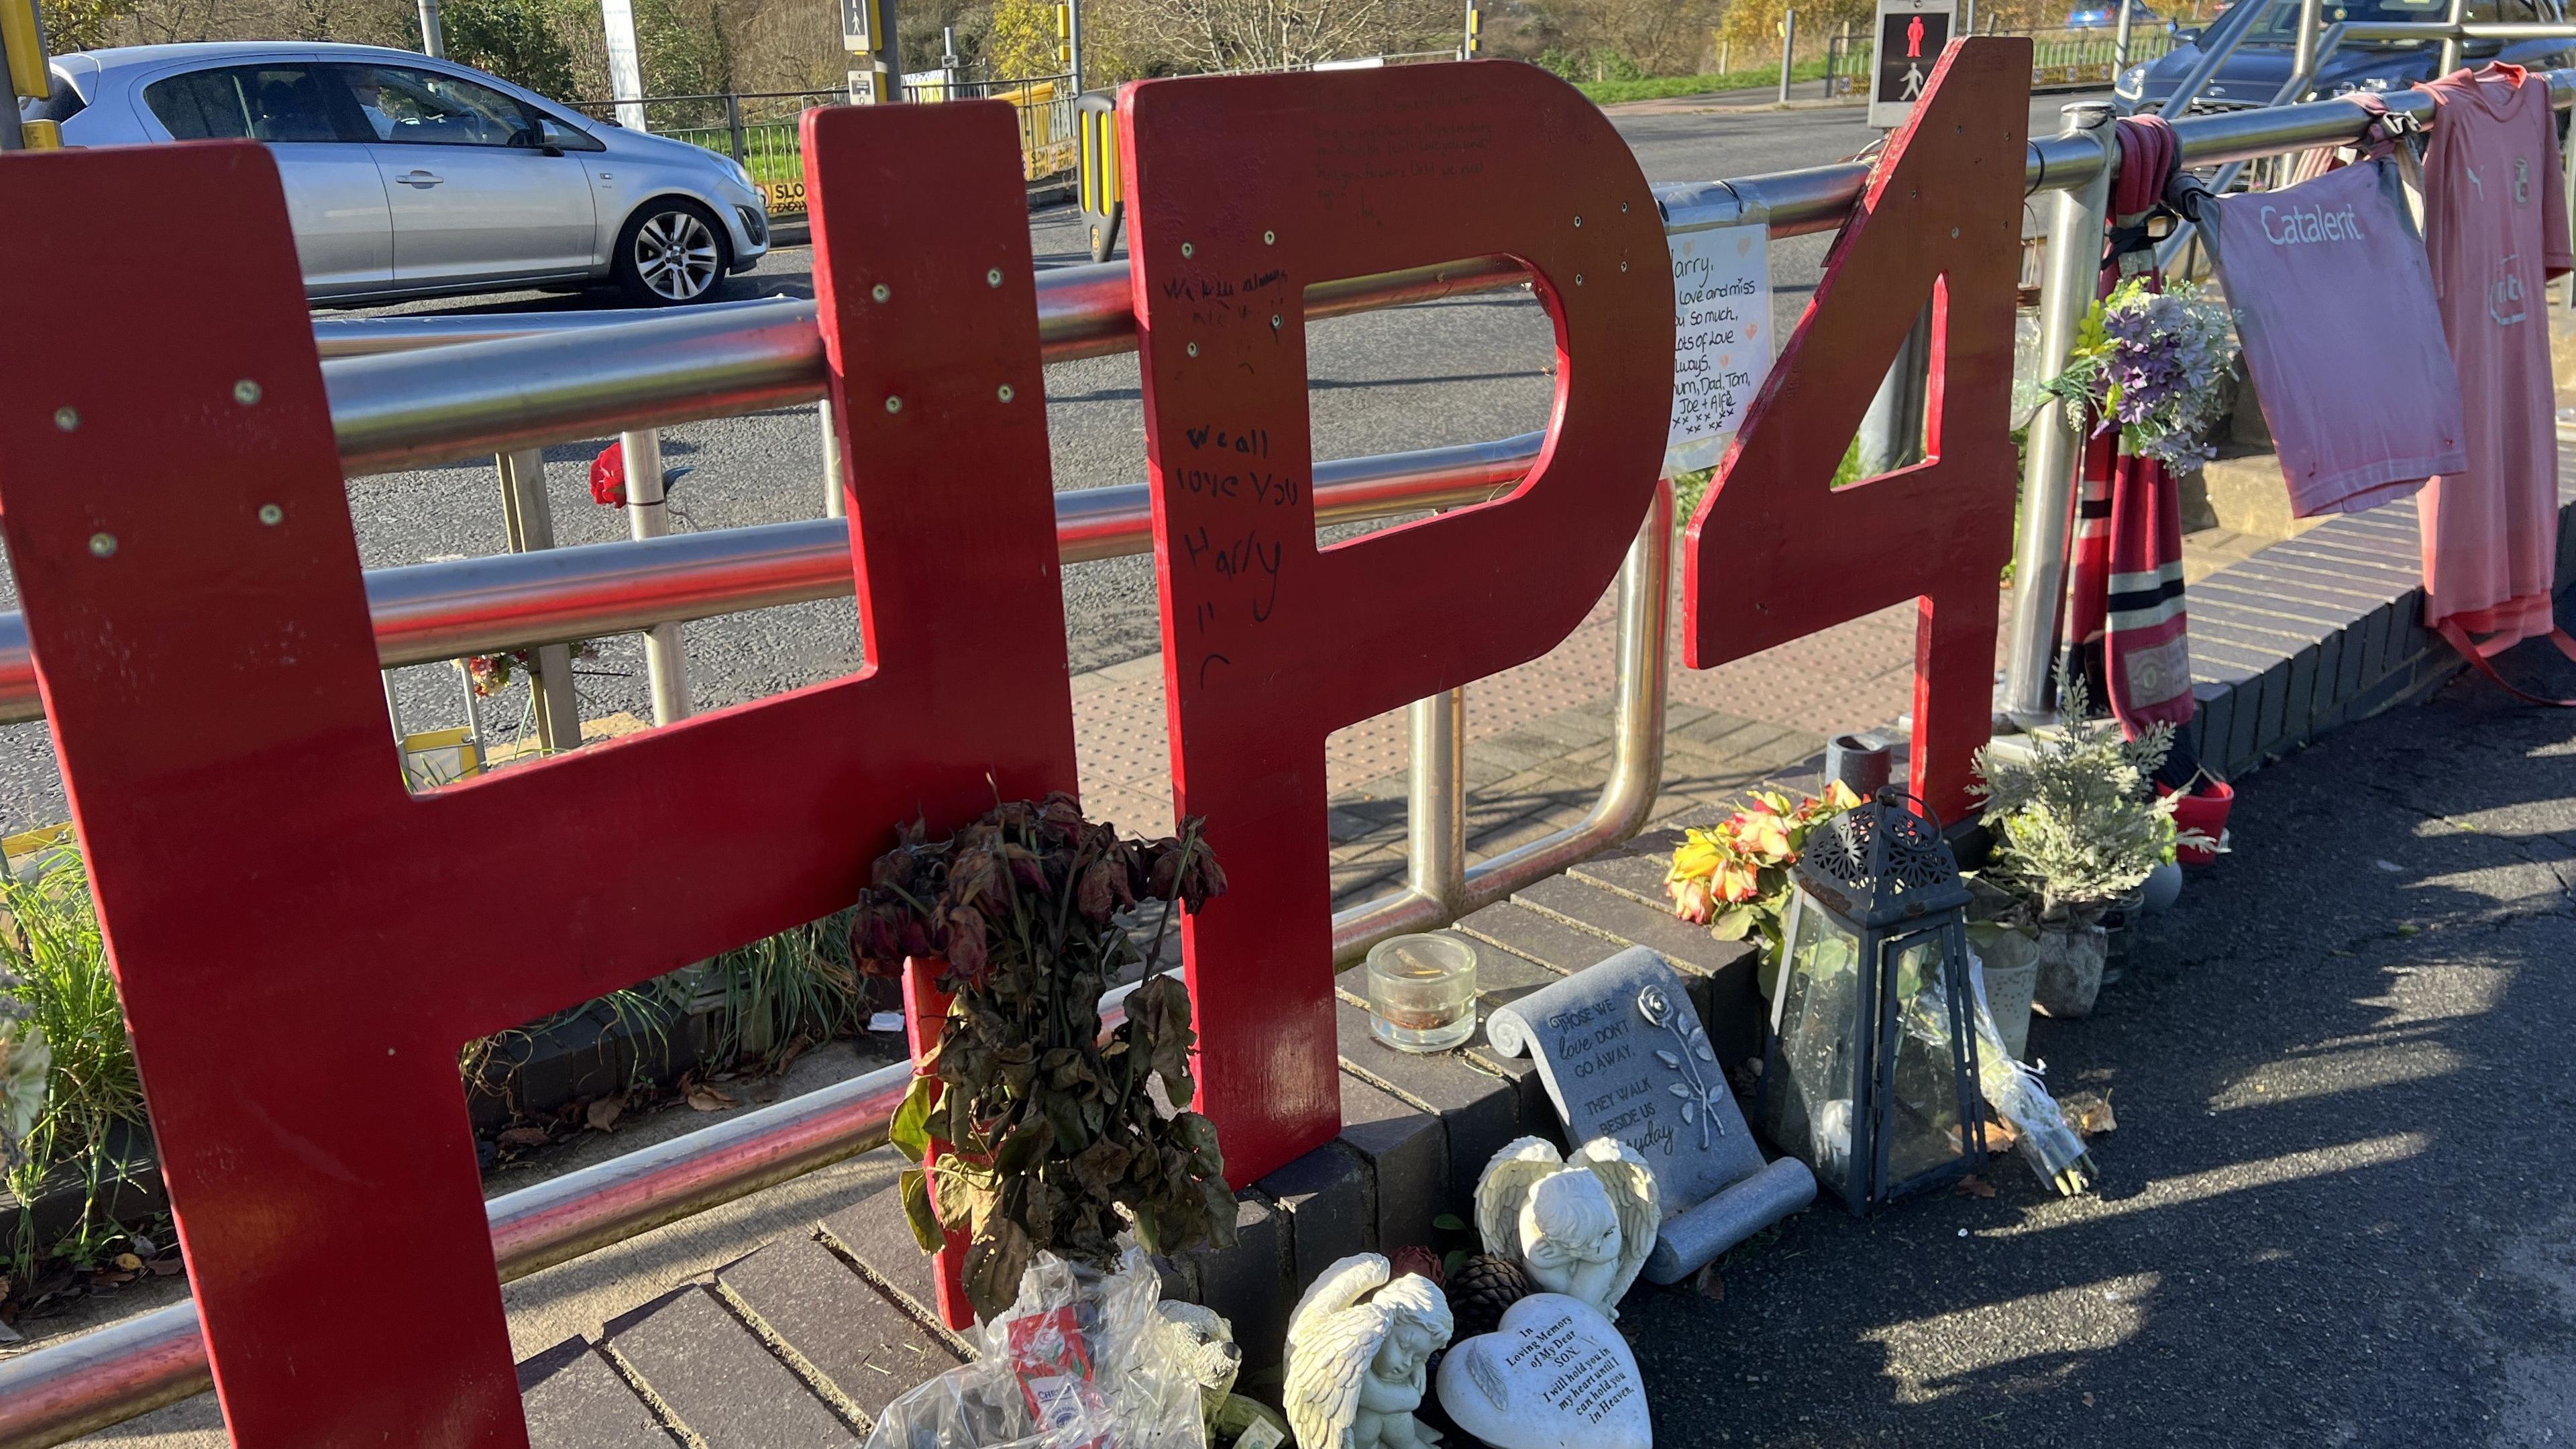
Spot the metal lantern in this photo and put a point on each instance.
(1871, 1077)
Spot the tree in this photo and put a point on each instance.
(1021, 41)
(1188, 36)
(1644, 37)
(83, 24)
(514, 39)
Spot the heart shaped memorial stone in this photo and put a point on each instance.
(1555, 1375)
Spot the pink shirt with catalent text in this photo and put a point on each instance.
(2496, 232)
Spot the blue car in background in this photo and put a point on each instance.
(2262, 62)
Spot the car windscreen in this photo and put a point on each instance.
(291, 102)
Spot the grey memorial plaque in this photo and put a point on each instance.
(1623, 1055)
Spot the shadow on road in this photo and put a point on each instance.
(2336, 1208)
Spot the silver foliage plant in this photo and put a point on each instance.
(2077, 824)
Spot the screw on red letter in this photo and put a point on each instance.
(1776, 552)
(281, 912)
(1243, 193)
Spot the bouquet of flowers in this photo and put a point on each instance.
(2153, 364)
(1735, 878)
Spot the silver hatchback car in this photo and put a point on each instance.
(407, 176)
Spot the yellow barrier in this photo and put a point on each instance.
(28, 75)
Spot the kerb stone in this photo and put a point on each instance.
(1407, 1153)
(1476, 1107)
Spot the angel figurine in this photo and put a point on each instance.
(1581, 1228)
(1357, 1346)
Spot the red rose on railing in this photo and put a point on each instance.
(608, 476)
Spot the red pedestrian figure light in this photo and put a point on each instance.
(1914, 38)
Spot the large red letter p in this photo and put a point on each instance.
(1245, 192)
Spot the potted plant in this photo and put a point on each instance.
(1028, 1128)
(2077, 830)
(2003, 930)
(1734, 878)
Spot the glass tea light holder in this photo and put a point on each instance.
(1422, 992)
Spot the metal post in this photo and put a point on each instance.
(876, 64)
(1627, 798)
(625, 62)
(1469, 47)
(665, 669)
(1073, 43)
(1891, 432)
(2120, 42)
(10, 137)
(2567, 174)
(2303, 43)
(529, 517)
(1788, 50)
(2450, 60)
(433, 35)
(2048, 476)
(24, 75)
(1435, 805)
(473, 711)
(733, 129)
(836, 500)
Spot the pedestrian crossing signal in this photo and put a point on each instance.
(1911, 34)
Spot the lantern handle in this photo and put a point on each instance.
(1889, 794)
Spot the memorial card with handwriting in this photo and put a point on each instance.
(1721, 338)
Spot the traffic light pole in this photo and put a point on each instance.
(876, 63)
(22, 59)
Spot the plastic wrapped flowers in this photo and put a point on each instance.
(1734, 878)
(2154, 365)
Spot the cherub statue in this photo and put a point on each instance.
(1581, 1228)
(1357, 1347)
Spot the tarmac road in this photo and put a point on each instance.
(1447, 372)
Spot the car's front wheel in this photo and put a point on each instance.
(671, 253)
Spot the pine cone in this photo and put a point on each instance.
(1481, 1289)
(1419, 1259)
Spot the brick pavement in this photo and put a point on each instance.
(1538, 737)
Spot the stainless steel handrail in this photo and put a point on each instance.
(429, 612)
(413, 392)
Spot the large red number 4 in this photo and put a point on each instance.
(1776, 552)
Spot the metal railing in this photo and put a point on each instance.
(2085, 55)
(563, 381)
(761, 130)
(2066, 55)
(2067, 290)
(757, 128)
